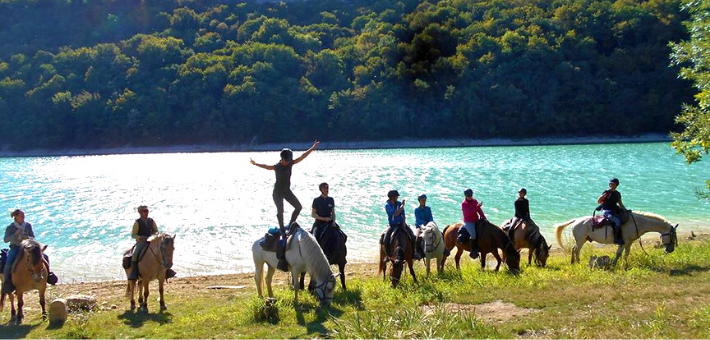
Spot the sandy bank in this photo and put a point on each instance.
(331, 145)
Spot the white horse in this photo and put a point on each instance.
(304, 255)
(639, 224)
(433, 246)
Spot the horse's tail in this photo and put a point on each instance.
(2, 301)
(559, 229)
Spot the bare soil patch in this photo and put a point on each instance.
(495, 312)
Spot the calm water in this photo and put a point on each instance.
(218, 203)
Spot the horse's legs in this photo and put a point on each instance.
(131, 287)
(427, 262)
(495, 254)
(618, 255)
(530, 254)
(258, 273)
(146, 292)
(13, 312)
(269, 277)
(459, 251)
(20, 303)
(483, 260)
(577, 248)
(42, 302)
(410, 263)
(161, 284)
(341, 267)
(294, 278)
(627, 250)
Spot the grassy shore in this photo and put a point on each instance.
(659, 296)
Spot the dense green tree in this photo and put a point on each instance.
(694, 55)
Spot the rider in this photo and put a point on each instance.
(323, 211)
(422, 216)
(396, 218)
(612, 207)
(472, 213)
(282, 187)
(143, 228)
(15, 233)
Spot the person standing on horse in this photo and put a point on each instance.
(323, 211)
(18, 231)
(396, 218)
(143, 228)
(472, 213)
(422, 216)
(612, 207)
(282, 187)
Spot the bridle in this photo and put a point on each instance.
(435, 243)
(322, 288)
(36, 275)
(162, 259)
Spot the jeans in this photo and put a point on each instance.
(471, 228)
(611, 217)
(7, 281)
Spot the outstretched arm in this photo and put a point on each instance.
(305, 154)
(263, 166)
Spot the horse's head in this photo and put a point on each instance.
(430, 236)
(542, 252)
(325, 290)
(167, 247)
(670, 239)
(33, 259)
(397, 265)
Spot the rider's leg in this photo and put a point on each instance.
(471, 228)
(291, 199)
(386, 241)
(279, 202)
(7, 286)
(418, 245)
(140, 245)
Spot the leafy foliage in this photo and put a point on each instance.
(694, 55)
(185, 72)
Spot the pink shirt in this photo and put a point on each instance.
(471, 211)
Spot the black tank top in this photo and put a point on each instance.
(145, 229)
(283, 176)
(612, 201)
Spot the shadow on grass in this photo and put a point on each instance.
(688, 270)
(11, 331)
(136, 320)
(352, 297)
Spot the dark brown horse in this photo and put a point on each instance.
(30, 273)
(402, 251)
(527, 235)
(490, 239)
(332, 241)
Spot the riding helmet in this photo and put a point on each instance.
(468, 192)
(614, 180)
(393, 193)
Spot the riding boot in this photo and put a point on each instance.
(418, 249)
(170, 273)
(134, 271)
(618, 239)
(281, 255)
(474, 249)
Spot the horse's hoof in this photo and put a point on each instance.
(163, 307)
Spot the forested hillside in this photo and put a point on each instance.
(108, 73)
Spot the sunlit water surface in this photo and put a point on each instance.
(218, 203)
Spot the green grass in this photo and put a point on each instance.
(659, 296)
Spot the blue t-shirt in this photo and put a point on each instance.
(423, 216)
(391, 209)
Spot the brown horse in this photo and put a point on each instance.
(527, 235)
(157, 258)
(402, 251)
(30, 273)
(490, 239)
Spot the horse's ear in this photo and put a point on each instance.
(44, 248)
(676, 226)
(549, 247)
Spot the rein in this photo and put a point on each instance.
(637, 233)
(162, 254)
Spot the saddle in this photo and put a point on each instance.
(128, 256)
(272, 242)
(601, 221)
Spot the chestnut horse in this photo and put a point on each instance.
(30, 273)
(527, 235)
(156, 260)
(490, 238)
(402, 250)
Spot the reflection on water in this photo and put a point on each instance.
(218, 203)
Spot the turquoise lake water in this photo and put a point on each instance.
(218, 203)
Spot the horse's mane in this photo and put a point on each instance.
(652, 215)
(313, 255)
(34, 249)
(430, 227)
(161, 237)
(508, 247)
